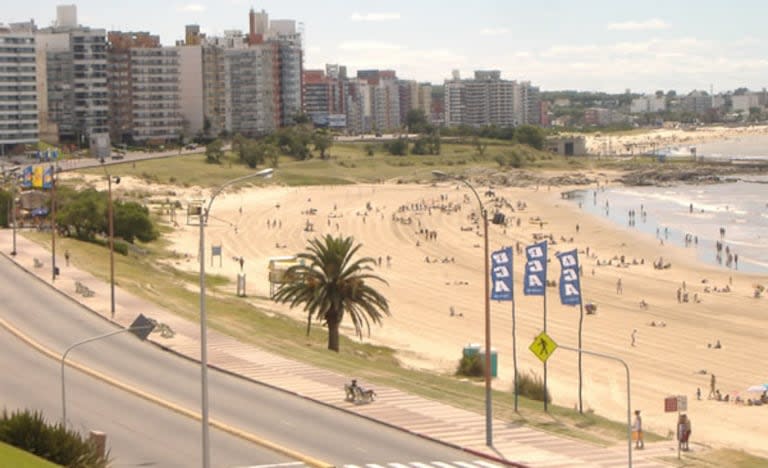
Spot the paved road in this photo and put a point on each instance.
(139, 433)
(316, 430)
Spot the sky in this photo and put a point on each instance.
(585, 45)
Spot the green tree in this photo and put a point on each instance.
(480, 145)
(5, 201)
(132, 221)
(82, 214)
(530, 135)
(238, 144)
(252, 153)
(398, 147)
(323, 141)
(416, 121)
(214, 151)
(330, 284)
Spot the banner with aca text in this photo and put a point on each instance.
(570, 286)
(501, 275)
(535, 278)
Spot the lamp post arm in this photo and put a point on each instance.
(82, 342)
(471, 187)
(220, 188)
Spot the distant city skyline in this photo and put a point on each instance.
(593, 45)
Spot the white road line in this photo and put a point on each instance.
(442, 464)
(274, 465)
(487, 464)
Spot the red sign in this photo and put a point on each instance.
(670, 404)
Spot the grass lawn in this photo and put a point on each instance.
(11, 456)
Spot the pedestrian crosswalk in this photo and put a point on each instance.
(428, 464)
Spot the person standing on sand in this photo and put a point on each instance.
(619, 288)
(712, 382)
(634, 336)
(637, 431)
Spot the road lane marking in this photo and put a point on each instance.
(313, 462)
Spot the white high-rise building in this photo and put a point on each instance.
(76, 97)
(18, 90)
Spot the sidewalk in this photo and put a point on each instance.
(427, 418)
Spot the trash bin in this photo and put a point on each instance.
(494, 361)
(471, 350)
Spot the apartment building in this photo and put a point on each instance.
(145, 87)
(323, 96)
(252, 83)
(251, 106)
(644, 104)
(18, 88)
(489, 100)
(155, 80)
(75, 67)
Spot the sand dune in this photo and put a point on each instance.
(673, 359)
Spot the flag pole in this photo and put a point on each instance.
(514, 339)
(581, 321)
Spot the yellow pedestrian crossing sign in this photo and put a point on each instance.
(543, 346)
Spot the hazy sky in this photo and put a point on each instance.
(575, 44)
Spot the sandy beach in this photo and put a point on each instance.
(430, 274)
(681, 139)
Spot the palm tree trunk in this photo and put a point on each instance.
(333, 335)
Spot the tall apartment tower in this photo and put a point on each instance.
(76, 74)
(252, 84)
(489, 100)
(144, 84)
(249, 101)
(18, 89)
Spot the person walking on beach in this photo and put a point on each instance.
(637, 431)
(634, 336)
(619, 288)
(712, 383)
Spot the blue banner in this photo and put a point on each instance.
(26, 177)
(501, 275)
(570, 287)
(535, 279)
(48, 178)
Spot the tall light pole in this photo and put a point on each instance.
(203, 320)
(487, 367)
(111, 245)
(14, 180)
(111, 221)
(53, 227)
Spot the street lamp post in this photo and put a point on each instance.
(140, 325)
(487, 367)
(203, 320)
(13, 214)
(111, 221)
(111, 245)
(53, 227)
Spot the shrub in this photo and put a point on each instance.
(29, 431)
(531, 386)
(470, 366)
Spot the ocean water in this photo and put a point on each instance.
(695, 211)
(747, 147)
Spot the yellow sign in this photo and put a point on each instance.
(543, 346)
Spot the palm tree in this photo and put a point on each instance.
(329, 284)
